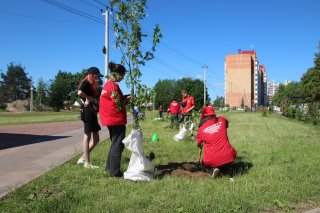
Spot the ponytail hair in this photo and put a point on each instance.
(117, 68)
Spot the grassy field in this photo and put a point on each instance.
(277, 170)
(36, 117)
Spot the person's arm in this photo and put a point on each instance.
(87, 97)
(191, 108)
(200, 145)
(227, 123)
(199, 139)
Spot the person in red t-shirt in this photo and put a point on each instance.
(175, 111)
(212, 132)
(113, 114)
(187, 104)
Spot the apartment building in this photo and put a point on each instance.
(272, 89)
(245, 80)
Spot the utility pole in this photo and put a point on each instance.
(106, 41)
(31, 97)
(204, 84)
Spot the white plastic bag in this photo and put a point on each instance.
(181, 134)
(140, 168)
(191, 127)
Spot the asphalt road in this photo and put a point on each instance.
(28, 151)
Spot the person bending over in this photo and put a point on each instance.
(212, 134)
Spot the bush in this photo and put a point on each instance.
(3, 107)
(264, 114)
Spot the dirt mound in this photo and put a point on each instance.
(191, 170)
(18, 106)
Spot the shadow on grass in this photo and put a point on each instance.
(195, 169)
(10, 140)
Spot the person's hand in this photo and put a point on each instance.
(126, 100)
(86, 102)
(200, 145)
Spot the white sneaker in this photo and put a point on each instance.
(215, 173)
(90, 166)
(81, 161)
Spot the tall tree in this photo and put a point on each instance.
(310, 83)
(195, 89)
(218, 102)
(15, 84)
(42, 94)
(60, 90)
(165, 92)
(317, 59)
(127, 18)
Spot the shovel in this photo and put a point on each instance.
(199, 159)
(198, 166)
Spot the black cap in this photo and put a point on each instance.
(94, 70)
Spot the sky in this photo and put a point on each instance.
(45, 39)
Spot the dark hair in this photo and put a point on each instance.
(117, 68)
(204, 119)
(184, 91)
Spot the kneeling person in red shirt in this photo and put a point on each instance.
(212, 132)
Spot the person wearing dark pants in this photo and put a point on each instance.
(113, 114)
(175, 111)
(117, 134)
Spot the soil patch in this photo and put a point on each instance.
(195, 170)
(190, 170)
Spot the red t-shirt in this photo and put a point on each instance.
(112, 112)
(189, 101)
(175, 108)
(217, 149)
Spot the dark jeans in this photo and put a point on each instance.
(117, 134)
(184, 118)
(174, 117)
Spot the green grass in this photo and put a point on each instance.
(36, 117)
(278, 165)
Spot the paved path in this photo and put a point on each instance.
(28, 151)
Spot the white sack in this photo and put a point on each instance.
(181, 134)
(140, 168)
(191, 127)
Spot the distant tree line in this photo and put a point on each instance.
(62, 90)
(301, 100)
(57, 93)
(165, 91)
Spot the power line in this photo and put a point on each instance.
(74, 11)
(90, 4)
(35, 17)
(100, 2)
(171, 50)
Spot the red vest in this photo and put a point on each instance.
(175, 108)
(112, 112)
(189, 101)
(217, 149)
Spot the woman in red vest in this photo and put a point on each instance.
(175, 111)
(212, 132)
(113, 114)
